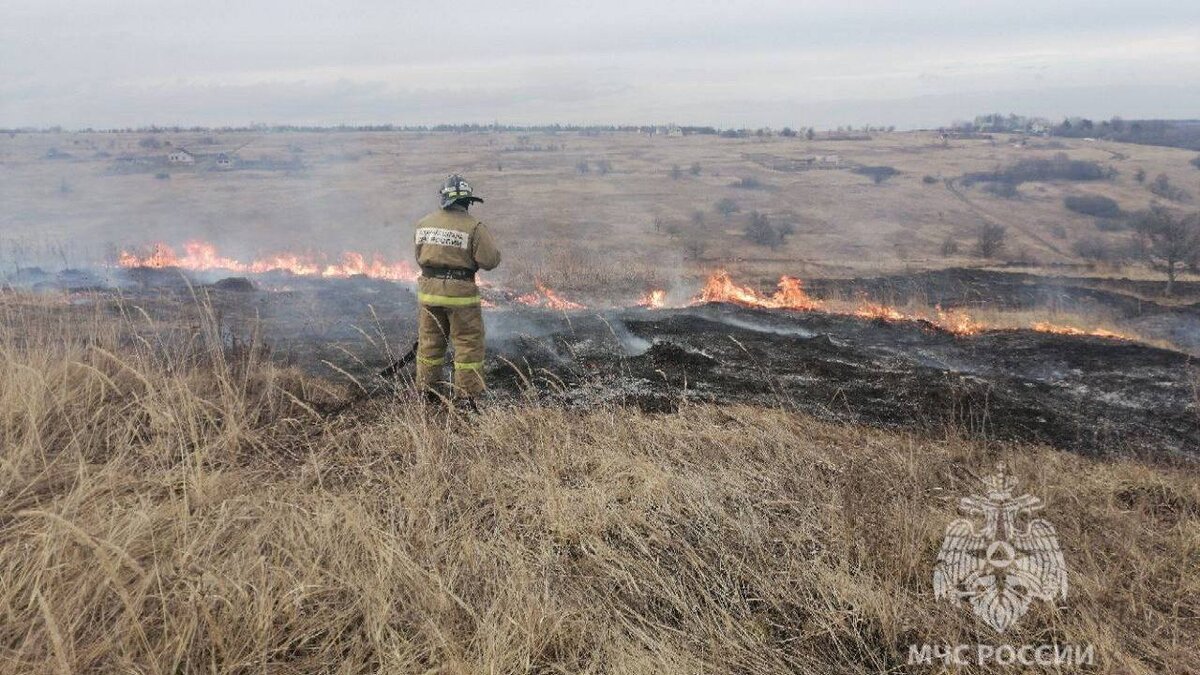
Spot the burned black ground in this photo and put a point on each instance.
(1091, 395)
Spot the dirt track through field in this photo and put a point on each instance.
(989, 218)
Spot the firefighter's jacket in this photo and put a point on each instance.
(453, 238)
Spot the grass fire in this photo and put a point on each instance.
(592, 338)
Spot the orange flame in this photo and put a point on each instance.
(545, 297)
(1044, 327)
(202, 256)
(957, 321)
(874, 310)
(789, 295)
(653, 300)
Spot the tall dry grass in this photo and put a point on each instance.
(169, 505)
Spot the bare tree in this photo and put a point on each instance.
(727, 207)
(1163, 187)
(989, 242)
(761, 231)
(1169, 241)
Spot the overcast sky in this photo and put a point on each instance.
(912, 63)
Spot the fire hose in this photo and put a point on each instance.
(388, 375)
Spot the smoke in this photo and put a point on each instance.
(790, 331)
(631, 345)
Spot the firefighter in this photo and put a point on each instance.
(451, 246)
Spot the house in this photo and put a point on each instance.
(224, 161)
(181, 156)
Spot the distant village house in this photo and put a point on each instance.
(181, 156)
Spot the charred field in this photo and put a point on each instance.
(1085, 393)
(1088, 394)
(204, 473)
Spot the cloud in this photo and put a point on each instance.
(88, 63)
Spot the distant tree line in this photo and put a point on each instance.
(842, 133)
(1171, 133)
(1059, 167)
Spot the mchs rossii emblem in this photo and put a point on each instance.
(1003, 566)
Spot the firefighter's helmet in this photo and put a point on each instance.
(457, 189)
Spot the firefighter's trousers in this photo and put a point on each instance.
(461, 326)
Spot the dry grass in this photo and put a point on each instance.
(168, 507)
(364, 191)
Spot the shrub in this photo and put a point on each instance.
(949, 246)
(760, 231)
(1196, 161)
(582, 167)
(877, 173)
(1096, 249)
(990, 240)
(727, 207)
(1163, 187)
(676, 172)
(695, 169)
(1003, 189)
(1060, 167)
(603, 166)
(749, 183)
(929, 180)
(1093, 205)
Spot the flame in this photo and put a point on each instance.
(874, 310)
(548, 298)
(202, 256)
(1044, 327)
(719, 287)
(656, 299)
(789, 294)
(956, 321)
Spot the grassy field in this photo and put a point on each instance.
(171, 506)
(71, 198)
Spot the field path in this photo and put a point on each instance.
(988, 217)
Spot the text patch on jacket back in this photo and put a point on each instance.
(443, 237)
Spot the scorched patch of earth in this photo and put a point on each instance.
(1092, 395)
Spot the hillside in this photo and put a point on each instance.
(632, 217)
(171, 506)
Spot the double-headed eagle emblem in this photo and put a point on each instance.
(1000, 569)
